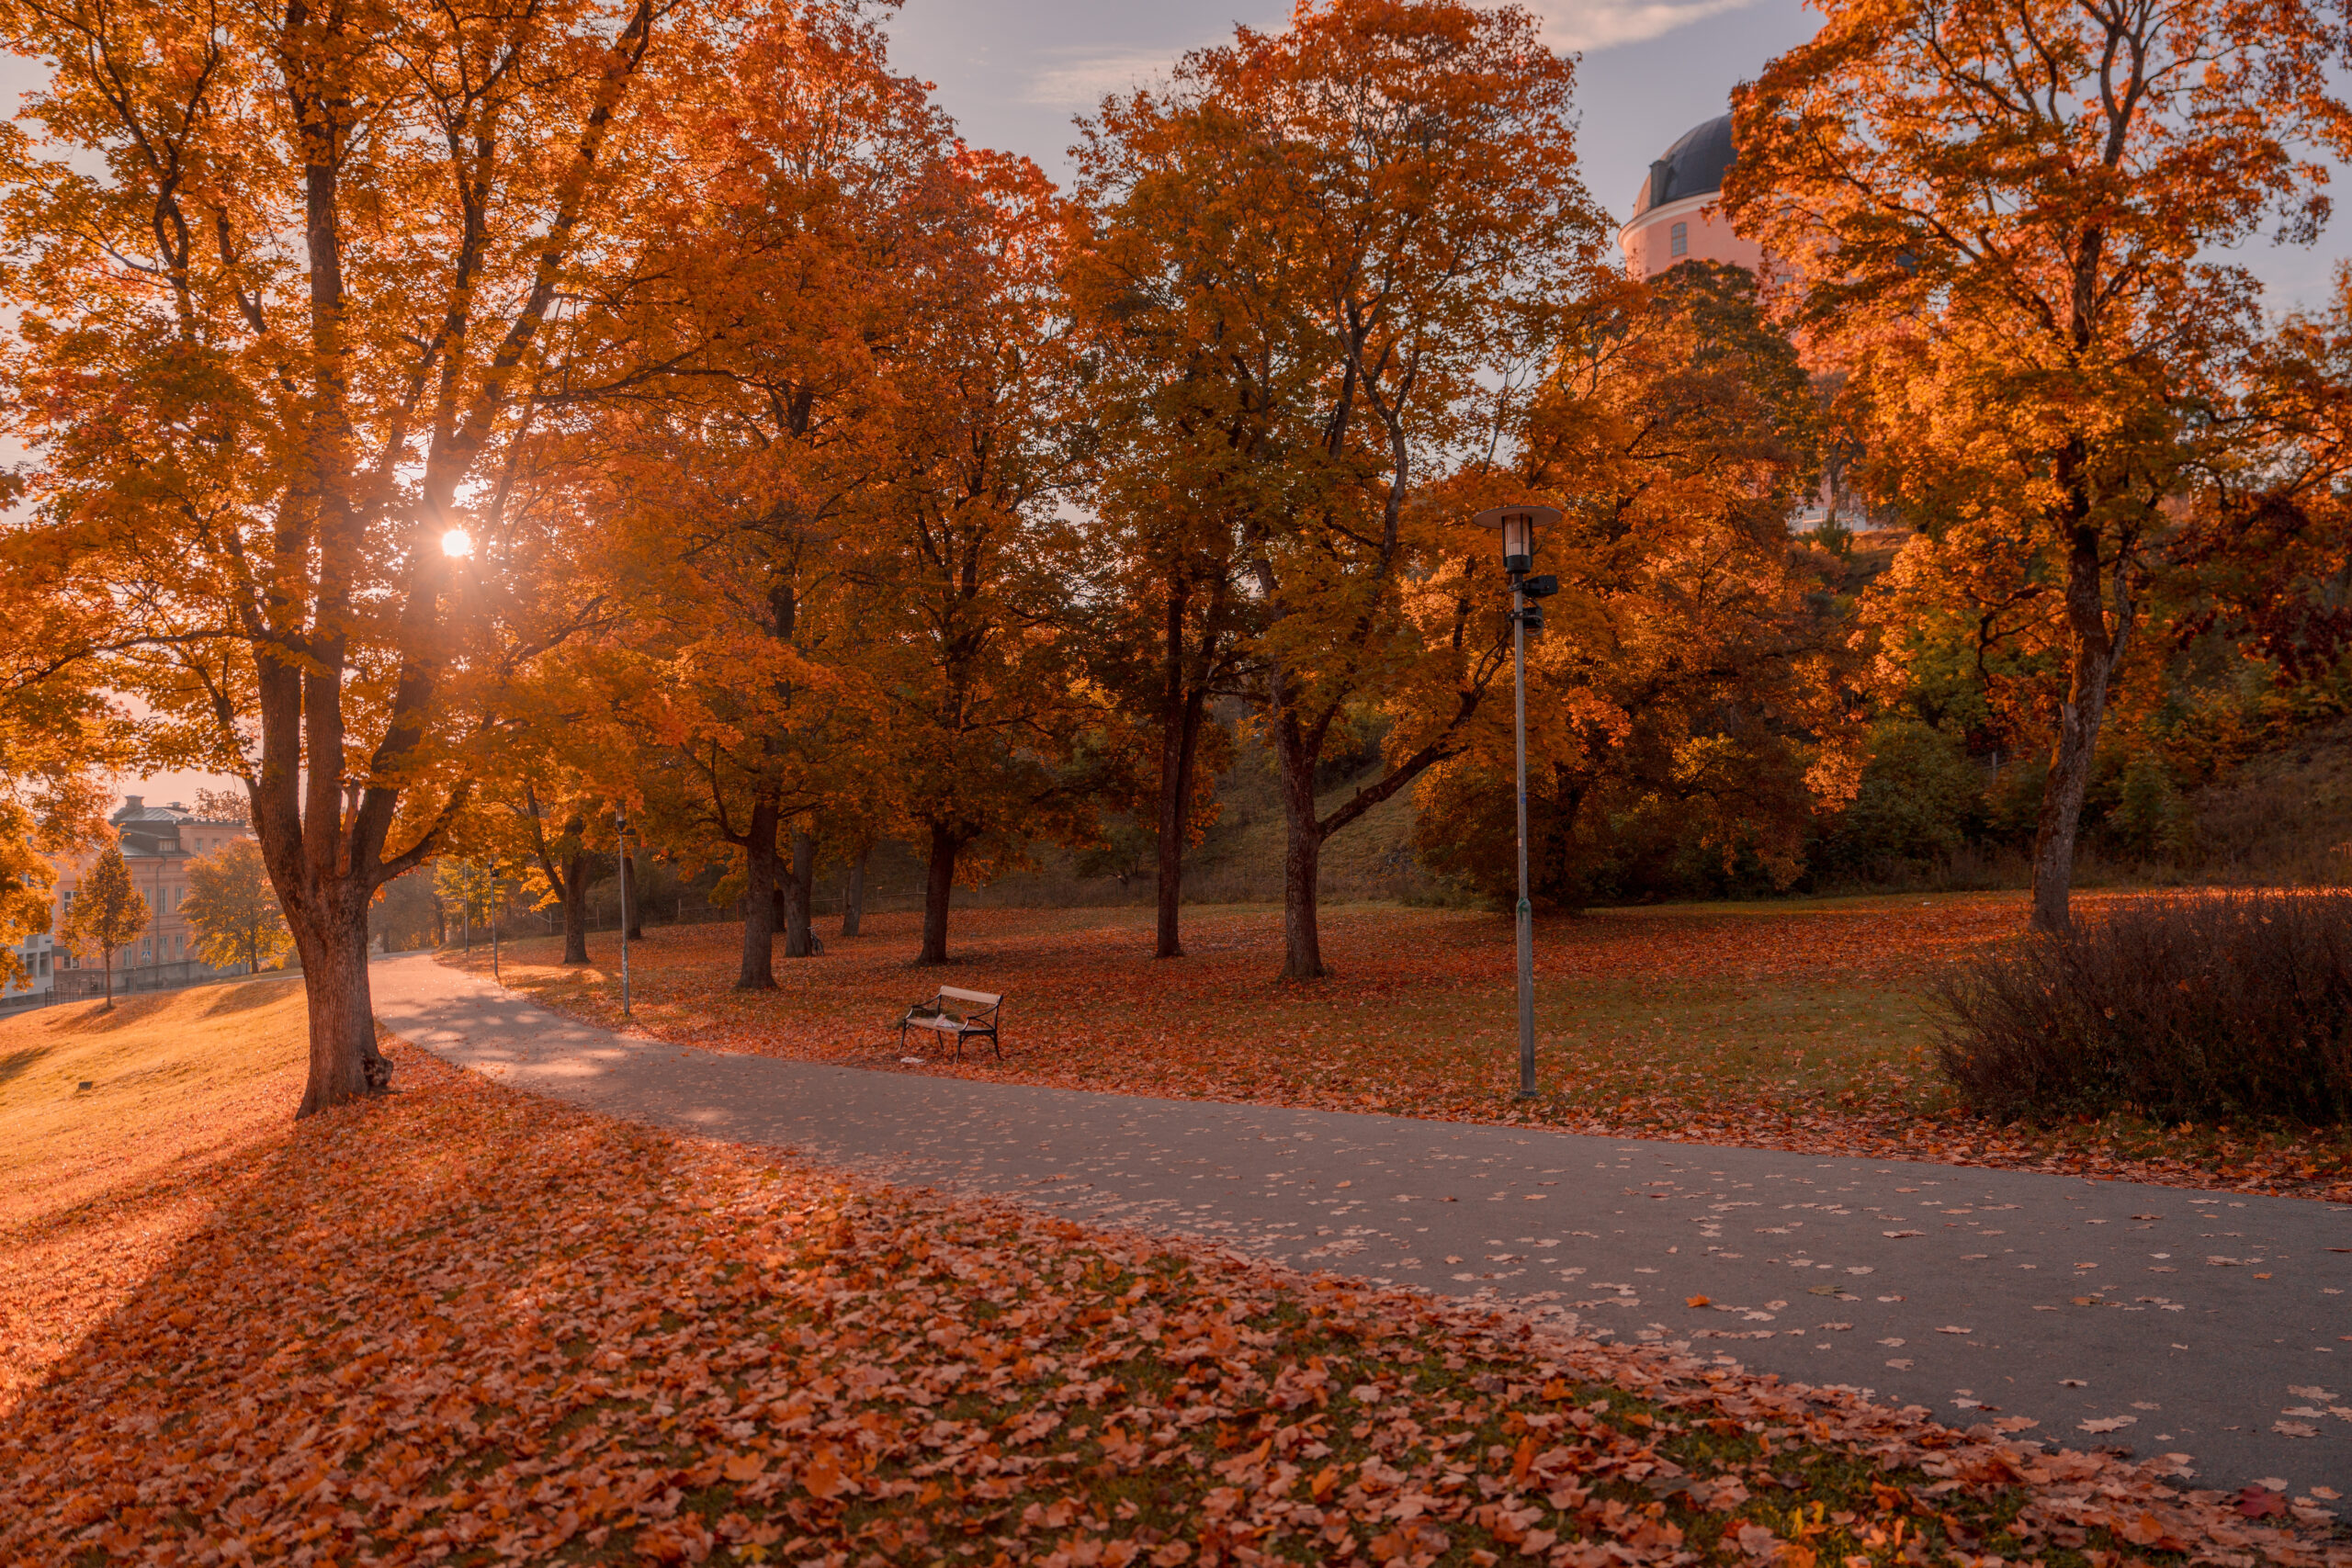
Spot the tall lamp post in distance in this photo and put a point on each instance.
(620, 881)
(1517, 524)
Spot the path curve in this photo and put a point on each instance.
(2213, 1324)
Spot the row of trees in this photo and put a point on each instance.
(464, 426)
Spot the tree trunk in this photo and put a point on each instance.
(575, 908)
(2094, 650)
(1179, 747)
(344, 1063)
(939, 884)
(758, 971)
(799, 885)
(636, 913)
(854, 897)
(1302, 857)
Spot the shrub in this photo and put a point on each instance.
(1919, 799)
(2209, 1008)
(2150, 822)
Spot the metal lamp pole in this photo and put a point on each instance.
(620, 880)
(1517, 524)
(1526, 909)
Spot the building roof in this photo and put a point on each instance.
(1694, 165)
(134, 811)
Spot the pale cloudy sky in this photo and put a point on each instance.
(1013, 71)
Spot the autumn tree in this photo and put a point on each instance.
(2263, 554)
(224, 805)
(1357, 225)
(1686, 688)
(107, 912)
(2003, 220)
(292, 284)
(538, 819)
(736, 684)
(232, 907)
(56, 739)
(1174, 436)
(968, 571)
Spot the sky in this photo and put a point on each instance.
(1015, 72)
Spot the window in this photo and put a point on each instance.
(1678, 240)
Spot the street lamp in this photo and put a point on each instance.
(620, 880)
(1517, 524)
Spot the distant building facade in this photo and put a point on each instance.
(157, 842)
(40, 956)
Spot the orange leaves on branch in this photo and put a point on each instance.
(1999, 225)
(1329, 245)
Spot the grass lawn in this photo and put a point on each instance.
(459, 1324)
(1794, 1025)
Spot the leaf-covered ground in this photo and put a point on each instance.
(1794, 1026)
(462, 1325)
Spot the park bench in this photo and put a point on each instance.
(961, 1013)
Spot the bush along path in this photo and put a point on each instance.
(558, 1338)
(2089, 1313)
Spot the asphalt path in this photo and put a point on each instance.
(2141, 1319)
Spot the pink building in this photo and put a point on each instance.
(1676, 216)
(157, 843)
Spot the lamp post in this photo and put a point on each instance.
(620, 880)
(1517, 524)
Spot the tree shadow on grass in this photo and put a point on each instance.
(96, 1018)
(323, 1286)
(17, 1064)
(244, 995)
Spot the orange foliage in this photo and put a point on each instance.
(295, 283)
(1346, 236)
(2005, 220)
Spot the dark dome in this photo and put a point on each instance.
(1692, 166)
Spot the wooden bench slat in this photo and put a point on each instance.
(986, 999)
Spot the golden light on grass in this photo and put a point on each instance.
(98, 1184)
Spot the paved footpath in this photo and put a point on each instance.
(2149, 1319)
